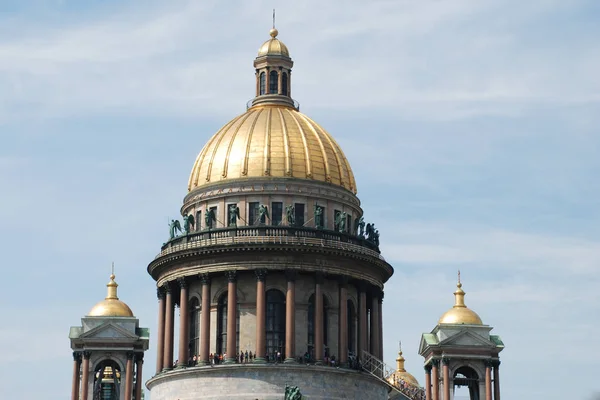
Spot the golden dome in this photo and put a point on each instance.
(460, 313)
(272, 141)
(273, 46)
(111, 306)
(401, 373)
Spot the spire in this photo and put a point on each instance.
(400, 360)
(459, 294)
(112, 285)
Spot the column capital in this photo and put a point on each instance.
(427, 368)
(76, 356)
(380, 300)
(182, 283)
(205, 279)
(87, 354)
(291, 275)
(167, 287)
(435, 362)
(231, 276)
(139, 357)
(343, 280)
(488, 363)
(362, 286)
(445, 360)
(130, 355)
(319, 277)
(160, 293)
(261, 275)
(496, 364)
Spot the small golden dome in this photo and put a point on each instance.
(272, 141)
(401, 373)
(111, 306)
(273, 46)
(460, 313)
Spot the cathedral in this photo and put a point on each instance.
(278, 279)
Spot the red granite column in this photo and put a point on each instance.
(362, 319)
(261, 315)
(488, 380)
(318, 323)
(375, 325)
(290, 83)
(85, 373)
(435, 378)
(231, 317)
(139, 361)
(343, 328)
(205, 320)
(76, 367)
(160, 340)
(496, 364)
(169, 321)
(446, 377)
(290, 317)
(129, 376)
(380, 308)
(184, 321)
(428, 382)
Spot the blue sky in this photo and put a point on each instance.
(472, 129)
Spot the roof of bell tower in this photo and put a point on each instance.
(111, 306)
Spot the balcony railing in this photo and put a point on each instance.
(282, 235)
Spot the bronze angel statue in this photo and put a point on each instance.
(188, 223)
(174, 227)
(209, 217)
(234, 214)
(263, 213)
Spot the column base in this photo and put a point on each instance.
(290, 361)
(180, 366)
(230, 361)
(319, 362)
(259, 360)
(203, 363)
(166, 370)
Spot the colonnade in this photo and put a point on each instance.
(81, 375)
(432, 380)
(370, 332)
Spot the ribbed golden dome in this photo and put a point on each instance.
(272, 141)
(401, 373)
(273, 46)
(111, 306)
(460, 313)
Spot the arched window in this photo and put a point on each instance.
(284, 84)
(466, 383)
(276, 325)
(273, 82)
(222, 325)
(107, 381)
(351, 328)
(194, 319)
(263, 83)
(311, 325)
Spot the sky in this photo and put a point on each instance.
(471, 127)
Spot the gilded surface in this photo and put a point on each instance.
(460, 313)
(111, 306)
(273, 47)
(273, 141)
(401, 373)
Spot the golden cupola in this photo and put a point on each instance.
(401, 375)
(111, 306)
(272, 139)
(460, 313)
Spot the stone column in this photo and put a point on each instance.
(279, 80)
(380, 309)
(318, 323)
(375, 325)
(435, 378)
(496, 365)
(343, 328)
(290, 83)
(205, 320)
(267, 80)
(85, 373)
(169, 322)
(129, 376)
(446, 377)
(257, 83)
(160, 340)
(76, 368)
(362, 320)
(261, 315)
(184, 321)
(290, 317)
(428, 382)
(231, 317)
(139, 360)
(488, 379)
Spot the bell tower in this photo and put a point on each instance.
(460, 352)
(108, 351)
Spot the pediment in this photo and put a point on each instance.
(108, 331)
(466, 338)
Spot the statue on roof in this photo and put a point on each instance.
(234, 214)
(188, 223)
(359, 226)
(290, 214)
(318, 217)
(209, 218)
(263, 213)
(174, 227)
(369, 231)
(292, 393)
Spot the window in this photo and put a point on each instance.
(276, 325)
(222, 325)
(311, 325)
(194, 317)
(299, 214)
(198, 221)
(351, 328)
(276, 213)
(107, 380)
(263, 83)
(273, 82)
(284, 84)
(253, 213)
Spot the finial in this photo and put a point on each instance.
(273, 32)
(112, 285)
(273, 18)
(459, 284)
(399, 347)
(112, 271)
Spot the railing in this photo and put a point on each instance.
(383, 372)
(277, 235)
(251, 101)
